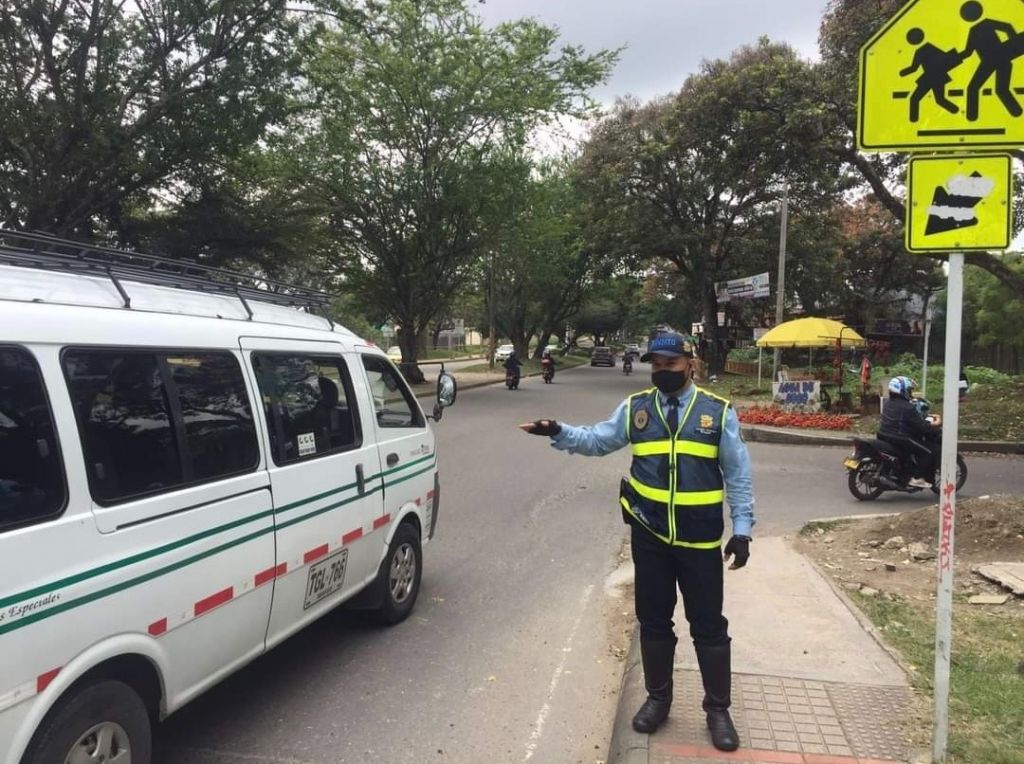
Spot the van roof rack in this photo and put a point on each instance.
(46, 252)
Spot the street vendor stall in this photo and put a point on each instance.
(811, 333)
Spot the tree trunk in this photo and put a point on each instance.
(715, 361)
(543, 340)
(408, 341)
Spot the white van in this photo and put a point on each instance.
(191, 470)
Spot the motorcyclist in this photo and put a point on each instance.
(513, 364)
(627, 362)
(903, 425)
(547, 362)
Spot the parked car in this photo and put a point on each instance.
(183, 487)
(602, 356)
(503, 352)
(633, 349)
(395, 354)
(553, 349)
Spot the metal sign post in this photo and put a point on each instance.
(947, 502)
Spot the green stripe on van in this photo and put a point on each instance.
(115, 588)
(78, 578)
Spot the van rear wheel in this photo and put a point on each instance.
(103, 723)
(400, 576)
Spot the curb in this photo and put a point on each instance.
(789, 438)
(627, 745)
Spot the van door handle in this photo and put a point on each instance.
(392, 460)
(360, 479)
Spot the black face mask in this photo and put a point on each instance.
(669, 381)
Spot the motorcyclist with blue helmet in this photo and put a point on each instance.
(903, 424)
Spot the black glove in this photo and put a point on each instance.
(738, 547)
(546, 427)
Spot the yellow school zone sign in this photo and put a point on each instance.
(944, 74)
(959, 203)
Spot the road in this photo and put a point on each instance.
(512, 652)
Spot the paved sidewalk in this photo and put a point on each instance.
(810, 685)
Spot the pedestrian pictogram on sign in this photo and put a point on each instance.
(944, 74)
(959, 203)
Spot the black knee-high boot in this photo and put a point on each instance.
(716, 670)
(659, 659)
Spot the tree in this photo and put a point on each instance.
(421, 112)
(993, 312)
(540, 267)
(682, 178)
(846, 26)
(106, 106)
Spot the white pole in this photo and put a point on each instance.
(927, 342)
(780, 288)
(760, 359)
(947, 504)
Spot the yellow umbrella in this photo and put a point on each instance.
(811, 333)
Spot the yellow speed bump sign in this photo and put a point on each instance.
(944, 74)
(959, 203)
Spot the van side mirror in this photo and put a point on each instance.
(447, 390)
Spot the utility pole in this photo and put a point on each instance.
(780, 288)
(490, 311)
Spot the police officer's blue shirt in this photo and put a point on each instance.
(608, 436)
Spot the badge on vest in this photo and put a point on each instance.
(707, 425)
(641, 419)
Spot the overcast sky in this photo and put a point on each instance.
(666, 39)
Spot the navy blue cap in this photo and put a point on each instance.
(669, 345)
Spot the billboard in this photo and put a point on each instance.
(748, 288)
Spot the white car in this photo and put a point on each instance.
(552, 349)
(395, 354)
(503, 352)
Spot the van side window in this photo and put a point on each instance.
(219, 431)
(309, 405)
(151, 422)
(31, 474)
(393, 402)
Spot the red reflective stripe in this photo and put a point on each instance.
(158, 627)
(43, 680)
(419, 501)
(430, 495)
(270, 574)
(380, 522)
(205, 605)
(315, 554)
(351, 536)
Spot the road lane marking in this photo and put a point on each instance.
(545, 710)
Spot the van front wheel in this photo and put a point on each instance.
(400, 576)
(104, 722)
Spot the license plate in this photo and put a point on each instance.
(851, 464)
(325, 577)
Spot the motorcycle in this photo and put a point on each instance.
(512, 379)
(876, 466)
(548, 373)
(627, 365)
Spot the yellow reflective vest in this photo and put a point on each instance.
(675, 489)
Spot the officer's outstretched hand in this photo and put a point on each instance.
(738, 548)
(546, 427)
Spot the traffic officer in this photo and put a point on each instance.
(688, 457)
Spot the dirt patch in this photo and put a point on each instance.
(879, 553)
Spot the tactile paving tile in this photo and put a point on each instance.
(796, 715)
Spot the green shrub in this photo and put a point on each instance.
(982, 375)
(743, 355)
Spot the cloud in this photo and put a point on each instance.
(666, 39)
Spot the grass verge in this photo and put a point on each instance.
(987, 674)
